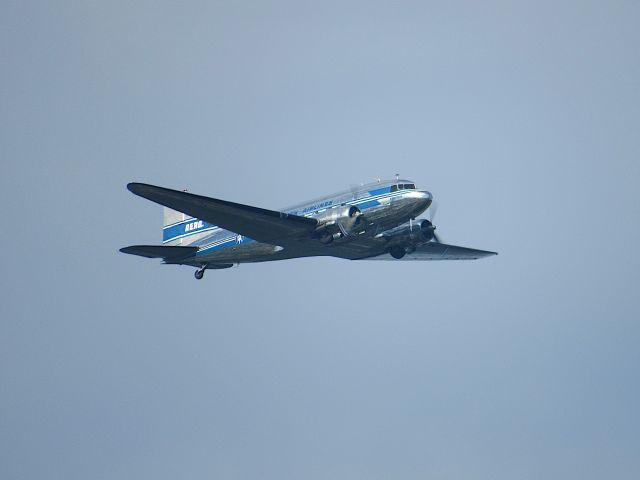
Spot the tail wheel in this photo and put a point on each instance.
(199, 274)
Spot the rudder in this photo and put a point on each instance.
(181, 229)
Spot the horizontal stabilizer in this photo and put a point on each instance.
(170, 254)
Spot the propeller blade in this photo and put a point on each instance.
(433, 209)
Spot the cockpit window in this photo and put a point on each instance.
(403, 186)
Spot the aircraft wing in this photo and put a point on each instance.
(267, 226)
(439, 251)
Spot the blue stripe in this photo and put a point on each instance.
(379, 191)
(188, 219)
(185, 229)
(369, 204)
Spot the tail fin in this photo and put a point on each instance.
(181, 229)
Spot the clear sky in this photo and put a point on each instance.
(523, 120)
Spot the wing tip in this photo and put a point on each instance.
(136, 187)
(146, 190)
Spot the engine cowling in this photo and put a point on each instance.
(420, 231)
(343, 220)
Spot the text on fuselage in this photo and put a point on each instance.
(193, 226)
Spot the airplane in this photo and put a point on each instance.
(376, 221)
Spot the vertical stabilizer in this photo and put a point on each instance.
(181, 229)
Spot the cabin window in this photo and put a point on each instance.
(410, 186)
(394, 188)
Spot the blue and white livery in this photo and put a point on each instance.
(373, 222)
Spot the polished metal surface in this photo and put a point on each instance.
(369, 221)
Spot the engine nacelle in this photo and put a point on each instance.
(420, 231)
(343, 220)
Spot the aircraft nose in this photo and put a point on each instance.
(428, 197)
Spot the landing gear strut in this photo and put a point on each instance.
(200, 273)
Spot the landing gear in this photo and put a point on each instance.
(199, 273)
(397, 252)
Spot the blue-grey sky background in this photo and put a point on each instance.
(523, 120)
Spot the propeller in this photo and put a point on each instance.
(433, 209)
(346, 225)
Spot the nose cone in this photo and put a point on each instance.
(427, 198)
(421, 200)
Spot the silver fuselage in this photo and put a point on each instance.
(384, 205)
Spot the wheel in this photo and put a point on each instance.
(199, 274)
(397, 252)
